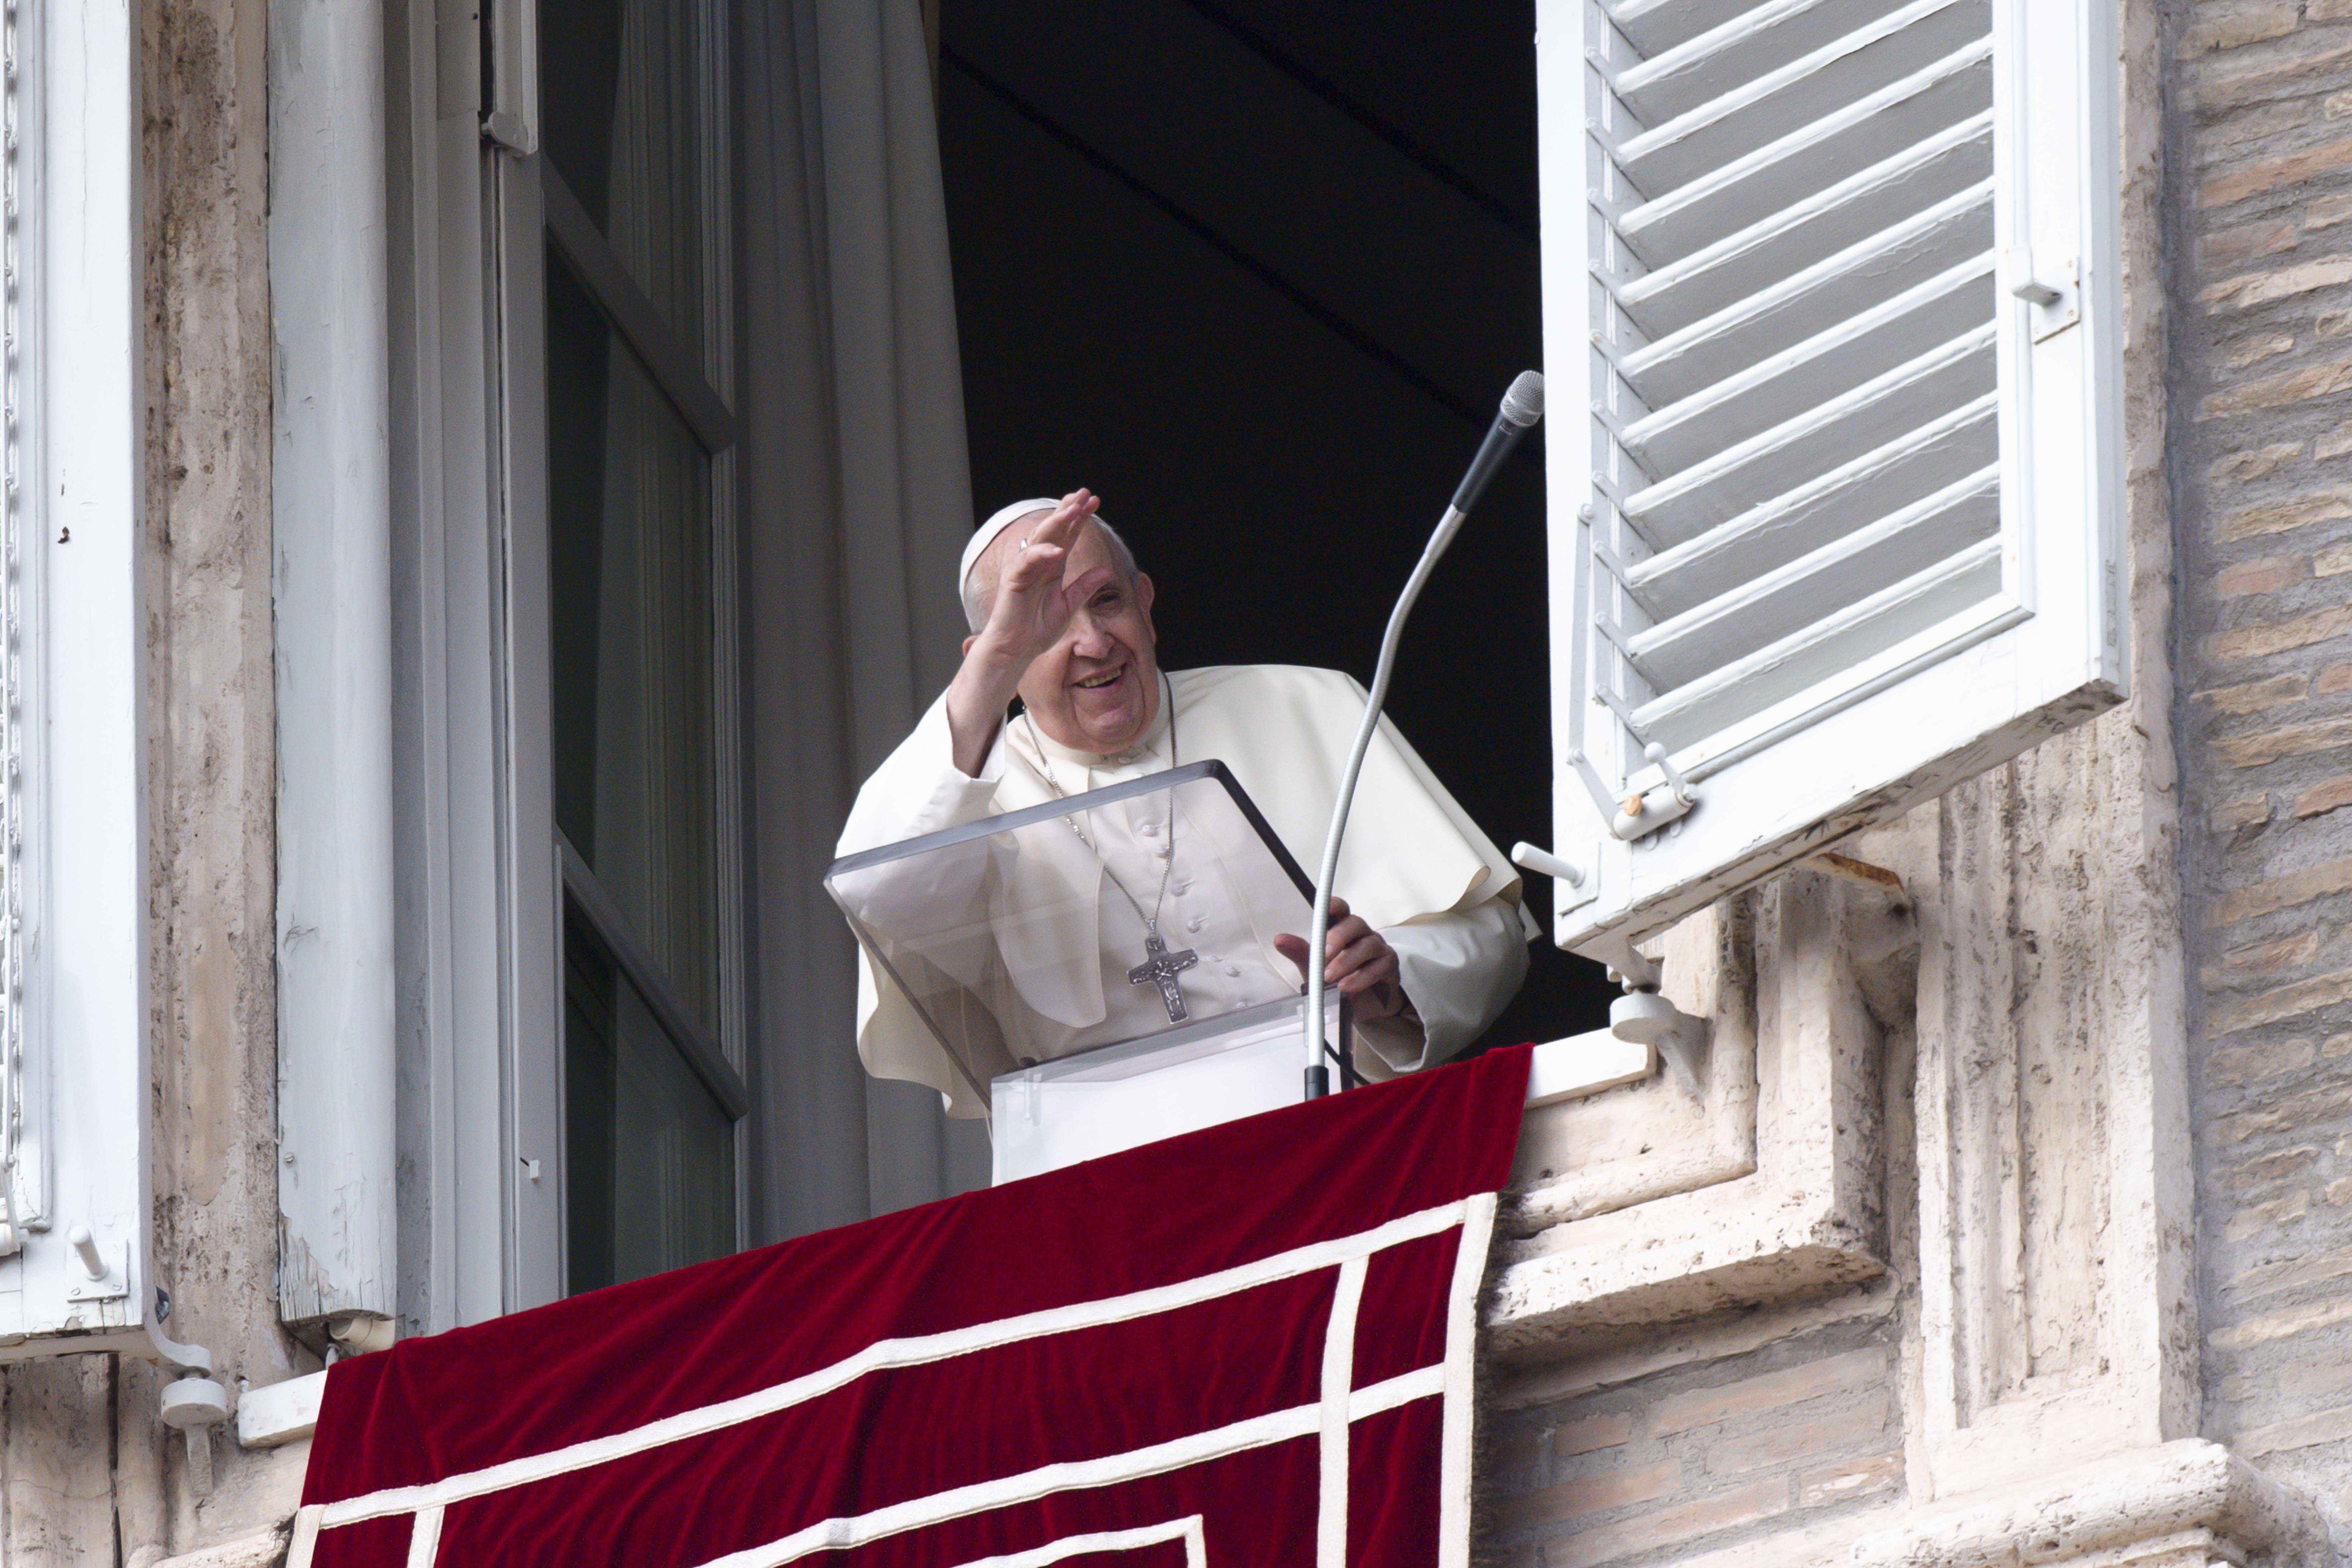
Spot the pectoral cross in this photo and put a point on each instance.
(1160, 969)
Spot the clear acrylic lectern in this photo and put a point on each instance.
(1102, 969)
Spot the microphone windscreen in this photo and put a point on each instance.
(1523, 404)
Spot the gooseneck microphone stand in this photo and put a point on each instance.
(1522, 406)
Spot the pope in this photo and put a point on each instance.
(1430, 941)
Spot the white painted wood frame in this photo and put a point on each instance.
(531, 1094)
(77, 1076)
(1836, 466)
(331, 554)
(701, 388)
(450, 665)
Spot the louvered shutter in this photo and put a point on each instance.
(75, 1090)
(1832, 327)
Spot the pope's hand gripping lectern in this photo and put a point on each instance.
(1101, 969)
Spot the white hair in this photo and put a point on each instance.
(978, 595)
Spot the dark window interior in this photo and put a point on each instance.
(1258, 273)
(649, 1144)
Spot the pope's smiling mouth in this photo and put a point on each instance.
(1097, 683)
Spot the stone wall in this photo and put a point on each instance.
(88, 1475)
(212, 773)
(2262, 476)
(1709, 1439)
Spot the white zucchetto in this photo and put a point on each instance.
(986, 533)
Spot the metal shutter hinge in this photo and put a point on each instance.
(2053, 292)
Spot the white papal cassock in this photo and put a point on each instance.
(1415, 867)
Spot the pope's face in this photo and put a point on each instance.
(1097, 688)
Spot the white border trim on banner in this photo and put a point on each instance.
(1461, 1364)
(1338, 1385)
(424, 1538)
(1187, 1530)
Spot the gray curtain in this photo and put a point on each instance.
(856, 503)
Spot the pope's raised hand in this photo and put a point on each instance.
(1032, 605)
(1029, 611)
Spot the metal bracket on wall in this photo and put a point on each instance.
(106, 1279)
(1646, 1017)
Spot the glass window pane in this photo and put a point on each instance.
(650, 1183)
(630, 561)
(621, 117)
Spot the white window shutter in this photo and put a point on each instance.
(74, 1081)
(1830, 318)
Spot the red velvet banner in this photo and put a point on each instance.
(1249, 1345)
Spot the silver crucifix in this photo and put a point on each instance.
(1160, 969)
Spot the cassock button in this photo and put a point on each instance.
(1196, 922)
(1149, 830)
(1233, 969)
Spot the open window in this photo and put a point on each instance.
(1831, 316)
(628, 688)
(618, 303)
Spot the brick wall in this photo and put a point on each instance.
(1696, 1457)
(2262, 290)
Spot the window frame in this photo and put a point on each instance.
(535, 208)
(2050, 656)
(77, 731)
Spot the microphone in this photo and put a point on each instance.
(1522, 406)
